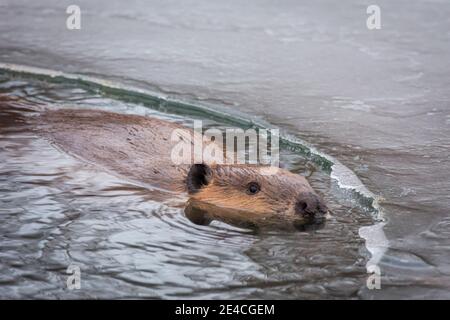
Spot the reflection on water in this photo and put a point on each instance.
(376, 100)
(57, 211)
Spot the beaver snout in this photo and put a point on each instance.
(310, 206)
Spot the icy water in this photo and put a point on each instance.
(377, 101)
(58, 211)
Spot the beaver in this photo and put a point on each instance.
(139, 148)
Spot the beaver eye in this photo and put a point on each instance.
(253, 188)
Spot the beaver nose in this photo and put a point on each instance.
(309, 205)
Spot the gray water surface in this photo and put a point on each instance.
(130, 242)
(376, 100)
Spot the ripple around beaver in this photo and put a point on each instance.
(86, 206)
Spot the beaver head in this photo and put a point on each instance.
(245, 195)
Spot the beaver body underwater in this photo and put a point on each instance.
(139, 149)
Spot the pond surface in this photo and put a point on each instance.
(377, 101)
(58, 211)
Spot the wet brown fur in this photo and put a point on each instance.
(139, 149)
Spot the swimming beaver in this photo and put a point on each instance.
(139, 148)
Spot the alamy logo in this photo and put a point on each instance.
(374, 20)
(232, 146)
(374, 280)
(74, 280)
(73, 21)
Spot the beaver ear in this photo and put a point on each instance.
(199, 176)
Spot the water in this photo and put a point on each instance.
(58, 211)
(377, 101)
